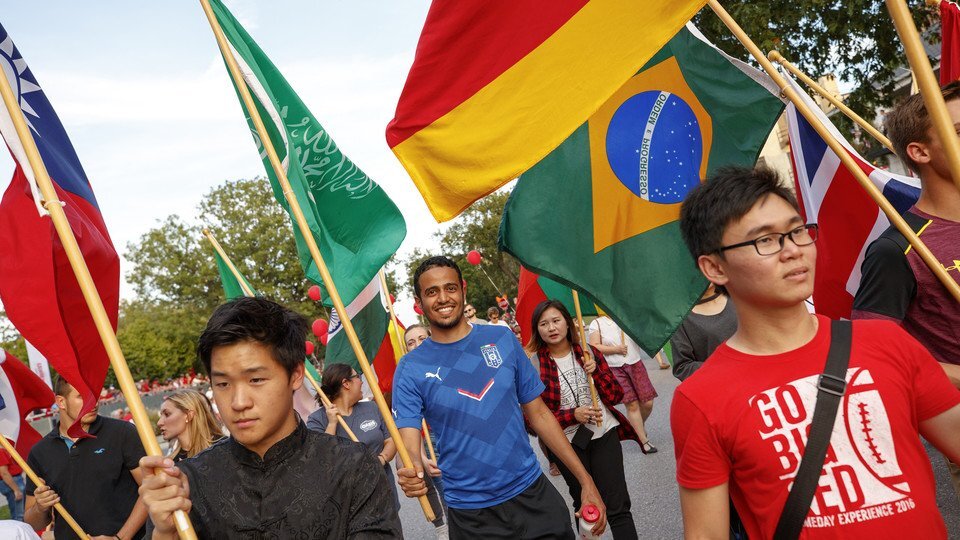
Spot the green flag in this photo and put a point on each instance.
(355, 224)
(600, 213)
(231, 285)
(370, 319)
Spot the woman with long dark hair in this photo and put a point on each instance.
(343, 386)
(594, 432)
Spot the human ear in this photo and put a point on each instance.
(711, 266)
(296, 378)
(918, 152)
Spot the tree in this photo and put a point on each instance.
(175, 277)
(854, 40)
(10, 339)
(476, 228)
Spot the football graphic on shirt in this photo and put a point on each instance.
(868, 428)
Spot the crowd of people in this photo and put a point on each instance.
(754, 361)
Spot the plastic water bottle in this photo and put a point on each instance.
(589, 514)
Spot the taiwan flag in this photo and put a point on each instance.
(21, 391)
(39, 291)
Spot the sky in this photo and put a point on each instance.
(147, 102)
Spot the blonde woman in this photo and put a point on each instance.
(187, 419)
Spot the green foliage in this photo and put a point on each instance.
(175, 277)
(10, 339)
(856, 41)
(477, 228)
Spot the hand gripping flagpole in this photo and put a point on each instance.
(54, 207)
(586, 349)
(867, 126)
(247, 291)
(403, 347)
(38, 482)
(790, 93)
(311, 242)
(929, 87)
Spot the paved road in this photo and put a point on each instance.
(651, 479)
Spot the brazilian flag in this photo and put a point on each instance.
(600, 213)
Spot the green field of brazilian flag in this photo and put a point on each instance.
(600, 212)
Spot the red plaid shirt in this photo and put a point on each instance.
(608, 390)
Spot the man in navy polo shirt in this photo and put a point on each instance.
(95, 478)
(474, 385)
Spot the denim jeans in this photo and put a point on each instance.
(16, 507)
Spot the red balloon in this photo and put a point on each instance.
(309, 348)
(323, 340)
(416, 308)
(320, 327)
(473, 257)
(314, 293)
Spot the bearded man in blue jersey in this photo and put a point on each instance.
(474, 385)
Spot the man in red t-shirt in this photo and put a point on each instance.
(11, 487)
(740, 422)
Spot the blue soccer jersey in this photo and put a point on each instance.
(470, 393)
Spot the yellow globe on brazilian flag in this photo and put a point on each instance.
(600, 213)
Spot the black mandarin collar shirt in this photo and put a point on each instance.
(308, 485)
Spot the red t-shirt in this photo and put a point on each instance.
(743, 419)
(12, 466)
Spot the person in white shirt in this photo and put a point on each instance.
(625, 359)
(493, 317)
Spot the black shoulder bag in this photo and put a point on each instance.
(831, 385)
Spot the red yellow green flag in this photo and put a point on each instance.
(496, 86)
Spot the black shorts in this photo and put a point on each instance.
(539, 512)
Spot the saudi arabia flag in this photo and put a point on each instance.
(354, 222)
(600, 213)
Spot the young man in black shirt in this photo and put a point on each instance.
(95, 478)
(272, 478)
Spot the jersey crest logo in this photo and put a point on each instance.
(367, 425)
(491, 355)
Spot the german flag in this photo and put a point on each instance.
(497, 85)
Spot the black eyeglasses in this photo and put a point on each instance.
(771, 244)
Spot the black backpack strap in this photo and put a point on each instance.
(831, 385)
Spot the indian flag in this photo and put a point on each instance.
(370, 319)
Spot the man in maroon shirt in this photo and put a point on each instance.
(896, 284)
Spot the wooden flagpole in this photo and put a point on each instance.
(38, 482)
(53, 205)
(928, 84)
(403, 347)
(249, 292)
(586, 348)
(307, 234)
(867, 126)
(790, 93)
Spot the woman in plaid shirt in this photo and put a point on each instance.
(594, 432)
